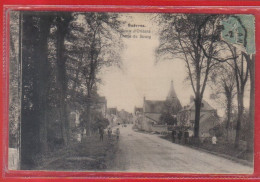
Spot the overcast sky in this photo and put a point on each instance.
(141, 76)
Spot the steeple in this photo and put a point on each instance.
(172, 101)
(172, 93)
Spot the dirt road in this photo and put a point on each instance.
(140, 152)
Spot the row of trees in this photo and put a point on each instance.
(61, 54)
(198, 40)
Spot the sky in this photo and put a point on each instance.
(141, 76)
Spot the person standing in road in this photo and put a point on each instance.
(173, 136)
(109, 133)
(186, 137)
(101, 134)
(179, 136)
(117, 134)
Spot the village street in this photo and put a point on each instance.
(140, 152)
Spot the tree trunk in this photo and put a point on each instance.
(197, 117)
(43, 70)
(88, 124)
(229, 104)
(62, 28)
(35, 74)
(250, 138)
(240, 98)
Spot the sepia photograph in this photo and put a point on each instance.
(131, 92)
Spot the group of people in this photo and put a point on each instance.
(109, 133)
(186, 137)
(179, 136)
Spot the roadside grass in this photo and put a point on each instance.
(90, 154)
(222, 148)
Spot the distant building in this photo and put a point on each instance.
(153, 109)
(173, 104)
(208, 117)
(138, 110)
(112, 116)
(100, 105)
(125, 117)
(112, 110)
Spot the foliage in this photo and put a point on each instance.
(168, 119)
(62, 55)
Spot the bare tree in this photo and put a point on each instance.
(223, 84)
(250, 61)
(181, 37)
(241, 73)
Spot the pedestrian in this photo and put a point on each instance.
(109, 133)
(117, 134)
(214, 140)
(186, 137)
(101, 134)
(179, 136)
(173, 136)
(79, 137)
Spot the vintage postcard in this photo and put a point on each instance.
(131, 92)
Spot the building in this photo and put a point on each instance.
(99, 104)
(112, 116)
(138, 111)
(125, 117)
(148, 118)
(153, 109)
(208, 117)
(173, 104)
(112, 110)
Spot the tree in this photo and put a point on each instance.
(239, 30)
(251, 66)
(241, 74)
(167, 118)
(14, 83)
(223, 84)
(35, 84)
(62, 23)
(98, 38)
(181, 38)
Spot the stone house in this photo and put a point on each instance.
(208, 118)
(153, 109)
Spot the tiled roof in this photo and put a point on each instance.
(112, 111)
(138, 109)
(205, 107)
(153, 106)
(153, 116)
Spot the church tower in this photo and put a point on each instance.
(172, 102)
(171, 94)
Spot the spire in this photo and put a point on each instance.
(172, 93)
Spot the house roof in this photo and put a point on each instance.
(112, 110)
(205, 106)
(154, 106)
(138, 109)
(153, 116)
(209, 116)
